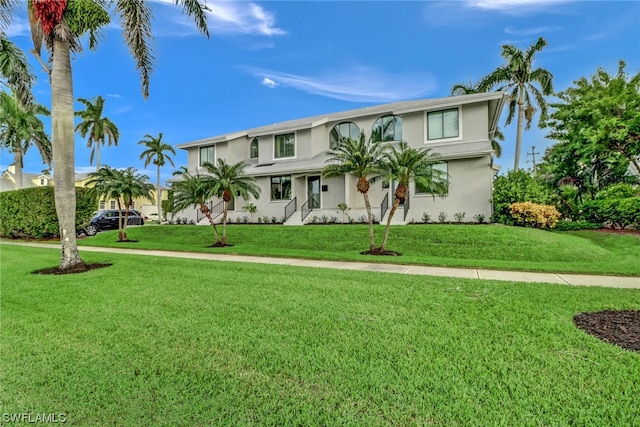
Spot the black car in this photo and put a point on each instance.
(110, 219)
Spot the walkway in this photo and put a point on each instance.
(467, 273)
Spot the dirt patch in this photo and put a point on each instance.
(80, 269)
(220, 245)
(621, 328)
(379, 252)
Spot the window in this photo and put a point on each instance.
(42, 181)
(102, 205)
(132, 205)
(281, 187)
(208, 154)
(441, 171)
(443, 124)
(112, 204)
(285, 146)
(253, 148)
(343, 130)
(387, 128)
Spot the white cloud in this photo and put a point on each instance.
(357, 84)
(268, 83)
(530, 31)
(516, 6)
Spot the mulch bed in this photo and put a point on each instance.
(82, 269)
(621, 328)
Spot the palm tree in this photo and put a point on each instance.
(123, 185)
(403, 164)
(470, 88)
(100, 129)
(518, 78)
(362, 159)
(62, 25)
(157, 153)
(228, 182)
(15, 70)
(20, 128)
(194, 191)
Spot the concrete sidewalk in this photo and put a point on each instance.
(467, 273)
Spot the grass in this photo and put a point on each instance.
(185, 342)
(478, 246)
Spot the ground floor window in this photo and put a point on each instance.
(102, 205)
(440, 172)
(281, 187)
(112, 204)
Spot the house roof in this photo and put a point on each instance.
(395, 108)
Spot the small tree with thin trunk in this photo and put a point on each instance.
(157, 152)
(96, 128)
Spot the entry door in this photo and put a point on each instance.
(313, 192)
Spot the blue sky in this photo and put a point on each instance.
(272, 61)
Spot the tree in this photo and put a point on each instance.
(228, 182)
(61, 25)
(123, 185)
(404, 164)
(194, 191)
(99, 129)
(599, 116)
(157, 152)
(15, 70)
(20, 128)
(519, 79)
(363, 160)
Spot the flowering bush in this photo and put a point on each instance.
(533, 215)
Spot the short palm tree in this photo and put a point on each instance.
(123, 185)
(519, 79)
(230, 181)
(20, 127)
(362, 159)
(404, 164)
(194, 191)
(98, 128)
(157, 152)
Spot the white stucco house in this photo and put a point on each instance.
(287, 159)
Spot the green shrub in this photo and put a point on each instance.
(617, 213)
(516, 186)
(619, 191)
(577, 225)
(534, 215)
(31, 212)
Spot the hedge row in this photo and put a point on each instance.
(31, 212)
(618, 213)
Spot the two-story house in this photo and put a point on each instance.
(287, 159)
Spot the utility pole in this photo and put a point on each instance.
(533, 155)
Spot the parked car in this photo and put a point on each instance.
(110, 220)
(153, 216)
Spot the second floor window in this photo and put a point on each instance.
(253, 149)
(208, 154)
(343, 130)
(387, 128)
(285, 146)
(443, 124)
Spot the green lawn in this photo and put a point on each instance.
(482, 246)
(152, 341)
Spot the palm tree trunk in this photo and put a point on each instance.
(63, 153)
(18, 167)
(159, 196)
(98, 143)
(516, 163)
(121, 232)
(205, 210)
(372, 243)
(396, 203)
(224, 223)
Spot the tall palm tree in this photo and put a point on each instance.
(470, 88)
(123, 185)
(228, 182)
(194, 191)
(519, 79)
(20, 128)
(157, 152)
(362, 159)
(61, 25)
(404, 164)
(99, 129)
(15, 70)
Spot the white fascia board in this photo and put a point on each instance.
(236, 135)
(465, 155)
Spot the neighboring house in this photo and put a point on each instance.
(29, 180)
(287, 159)
(7, 182)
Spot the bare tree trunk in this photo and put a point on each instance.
(516, 163)
(63, 153)
(396, 203)
(18, 167)
(159, 195)
(224, 223)
(372, 243)
(206, 212)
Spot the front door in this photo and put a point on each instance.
(313, 192)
